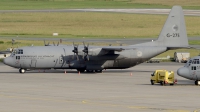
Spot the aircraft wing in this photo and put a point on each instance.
(113, 49)
(5, 52)
(119, 49)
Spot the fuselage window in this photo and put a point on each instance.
(194, 62)
(17, 57)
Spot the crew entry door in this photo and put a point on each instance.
(193, 72)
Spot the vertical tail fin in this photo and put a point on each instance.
(174, 33)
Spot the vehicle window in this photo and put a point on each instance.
(194, 67)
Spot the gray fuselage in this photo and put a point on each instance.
(62, 57)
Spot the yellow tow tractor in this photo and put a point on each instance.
(163, 77)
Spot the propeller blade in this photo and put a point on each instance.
(64, 51)
(87, 57)
(44, 43)
(83, 55)
(77, 57)
(73, 56)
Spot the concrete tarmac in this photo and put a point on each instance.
(110, 91)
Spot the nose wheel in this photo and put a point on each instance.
(21, 70)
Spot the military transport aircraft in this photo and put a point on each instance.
(191, 70)
(97, 58)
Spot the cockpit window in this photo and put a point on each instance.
(195, 61)
(13, 53)
(20, 51)
(17, 57)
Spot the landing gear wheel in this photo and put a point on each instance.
(81, 70)
(21, 70)
(90, 71)
(152, 82)
(98, 71)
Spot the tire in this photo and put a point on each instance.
(161, 83)
(90, 71)
(172, 84)
(152, 82)
(81, 70)
(98, 71)
(21, 70)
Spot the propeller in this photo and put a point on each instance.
(85, 50)
(58, 43)
(75, 50)
(46, 44)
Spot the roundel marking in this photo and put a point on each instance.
(139, 53)
(175, 27)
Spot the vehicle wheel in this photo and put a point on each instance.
(161, 83)
(21, 70)
(152, 82)
(172, 84)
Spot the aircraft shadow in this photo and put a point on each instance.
(179, 83)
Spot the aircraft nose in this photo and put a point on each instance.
(183, 71)
(6, 61)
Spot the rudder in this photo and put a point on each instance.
(174, 33)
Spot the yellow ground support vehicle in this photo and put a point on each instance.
(163, 77)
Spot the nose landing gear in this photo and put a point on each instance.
(21, 70)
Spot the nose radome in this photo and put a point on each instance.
(6, 61)
(184, 72)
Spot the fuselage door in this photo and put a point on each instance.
(33, 63)
(193, 71)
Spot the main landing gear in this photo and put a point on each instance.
(21, 70)
(89, 71)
